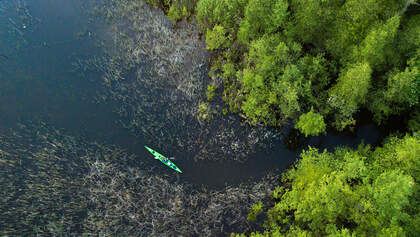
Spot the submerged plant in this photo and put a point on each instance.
(158, 77)
(54, 184)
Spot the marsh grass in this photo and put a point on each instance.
(54, 184)
(158, 74)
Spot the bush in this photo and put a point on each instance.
(255, 211)
(311, 124)
(211, 92)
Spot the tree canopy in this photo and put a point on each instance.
(361, 192)
(338, 57)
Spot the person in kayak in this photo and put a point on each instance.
(171, 158)
(164, 159)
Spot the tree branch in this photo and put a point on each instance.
(405, 7)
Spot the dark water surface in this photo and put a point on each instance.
(39, 41)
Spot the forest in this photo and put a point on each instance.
(321, 64)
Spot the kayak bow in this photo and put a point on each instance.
(163, 159)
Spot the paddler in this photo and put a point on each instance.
(163, 159)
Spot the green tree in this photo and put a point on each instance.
(271, 83)
(174, 13)
(402, 91)
(270, 77)
(353, 22)
(377, 48)
(404, 87)
(414, 122)
(349, 92)
(351, 192)
(391, 191)
(311, 19)
(262, 16)
(216, 38)
(224, 12)
(408, 39)
(311, 124)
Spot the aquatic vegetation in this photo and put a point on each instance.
(211, 92)
(41, 181)
(155, 73)
(204, 111)
(158, 76)
(175, 9)
(152, 205)
(17, 21)
(54, 184)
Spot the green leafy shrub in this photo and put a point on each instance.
(255, 211)
(174, 13)
(215, 38)
(311, 124)
(204, 111)
(224, 111)
(211, 92)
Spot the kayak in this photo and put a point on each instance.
(163, 159)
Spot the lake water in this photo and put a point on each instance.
(47, 48)
(41, 40)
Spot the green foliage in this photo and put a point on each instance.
(154, 3)
(224, 111)
(216, 38)
(403, 154)
(401, 93)
(378, 44)
(229, 71)
(351, 192)
(278, 191)
(316, 69)
(175, 9)
(255, 211)
(404, 87)
(224, 12)
(409, 38)
(204, 111)
(353, 22)
(271, 84)
(391, 191)
(185, 12)
(262, 16)
(414, 122)
(174, 13)
(211, 92)
(277, 57)
(349, 92)
(311, 124)
(311, 19)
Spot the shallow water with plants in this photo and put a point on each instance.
(85, 85)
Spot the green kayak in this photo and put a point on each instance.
(163, 159)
